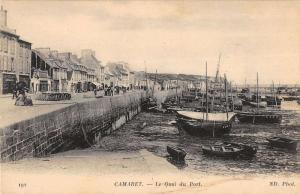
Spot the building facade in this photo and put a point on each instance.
(15, 57)
(89, 60)
(49, 73)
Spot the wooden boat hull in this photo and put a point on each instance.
(292, 145)
(194, 124)
(204, 128)
(246, 150)
(176, 153)
(251, 117)
(207, 150)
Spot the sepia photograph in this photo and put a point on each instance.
(149, 96)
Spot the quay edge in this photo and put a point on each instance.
(81, 125)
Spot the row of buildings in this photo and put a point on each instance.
(44, 69)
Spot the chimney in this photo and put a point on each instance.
(87, 52)
(66, 55)
(54, 53)
(44, 51)
(3, 17)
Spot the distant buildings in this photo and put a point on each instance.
(89, 60)
(123, 75)
(49, 73)
(43, 69)
(15, 57)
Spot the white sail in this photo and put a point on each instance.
(211, 116)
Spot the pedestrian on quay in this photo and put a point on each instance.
(15, 93)
(95, 91)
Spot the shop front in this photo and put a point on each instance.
(43, 86)
(8, 83)
(55, 86)
(25, 79)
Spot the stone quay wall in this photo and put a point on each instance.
(81, 124)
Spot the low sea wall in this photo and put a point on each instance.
(81, 124)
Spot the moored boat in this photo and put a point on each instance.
(282, 142)
(194, 123)
(259, 116)
(176, 152)
(255, 104)
(246, 149)
(221, 151)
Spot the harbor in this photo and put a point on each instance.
(154, 97)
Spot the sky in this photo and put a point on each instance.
(172, 37)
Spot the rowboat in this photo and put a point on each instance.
(246, 149)
(259, 116)
(222, 151)
(282, 142)
(176, 153)
(202, 124)
(194, 123)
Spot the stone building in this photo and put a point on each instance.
(78, 75)
(49, 73)
(121, 71)
(89, 60)
(15, 57)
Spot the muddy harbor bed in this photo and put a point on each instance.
(158, 133)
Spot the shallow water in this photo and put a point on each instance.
(159, 132)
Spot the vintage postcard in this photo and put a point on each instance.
(149, 97)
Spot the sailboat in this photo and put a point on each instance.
(258, 115)
(213, 124)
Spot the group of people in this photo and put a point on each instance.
(19, 93)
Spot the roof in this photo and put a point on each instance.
(118, 68)
(51, 60)
(90, 61)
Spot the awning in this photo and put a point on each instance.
(97, 83)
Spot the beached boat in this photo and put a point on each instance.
(254, 104)
(203, 124)
(196, 124)
(282, 142)
(246, 149)
(221, 151)
(259, 116)
(176, 153)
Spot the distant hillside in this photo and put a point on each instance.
(160, 77)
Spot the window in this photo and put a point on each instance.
(5, 63)
(1, 63)
(5, 44)
(12, 65)
(12, 46)
(1, 38)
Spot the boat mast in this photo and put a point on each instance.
(226, 98)
(206, 90)
(176, 88)
(231, 97)
(274, 94)
(257, 91)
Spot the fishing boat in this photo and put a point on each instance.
(282, 142)
(246, 149)
(215, 124)
(259, 115)
(254, 104)
(254, 116)
(176, 153)
(202, 124)
(221, 151)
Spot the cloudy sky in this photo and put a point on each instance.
(175, 37)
